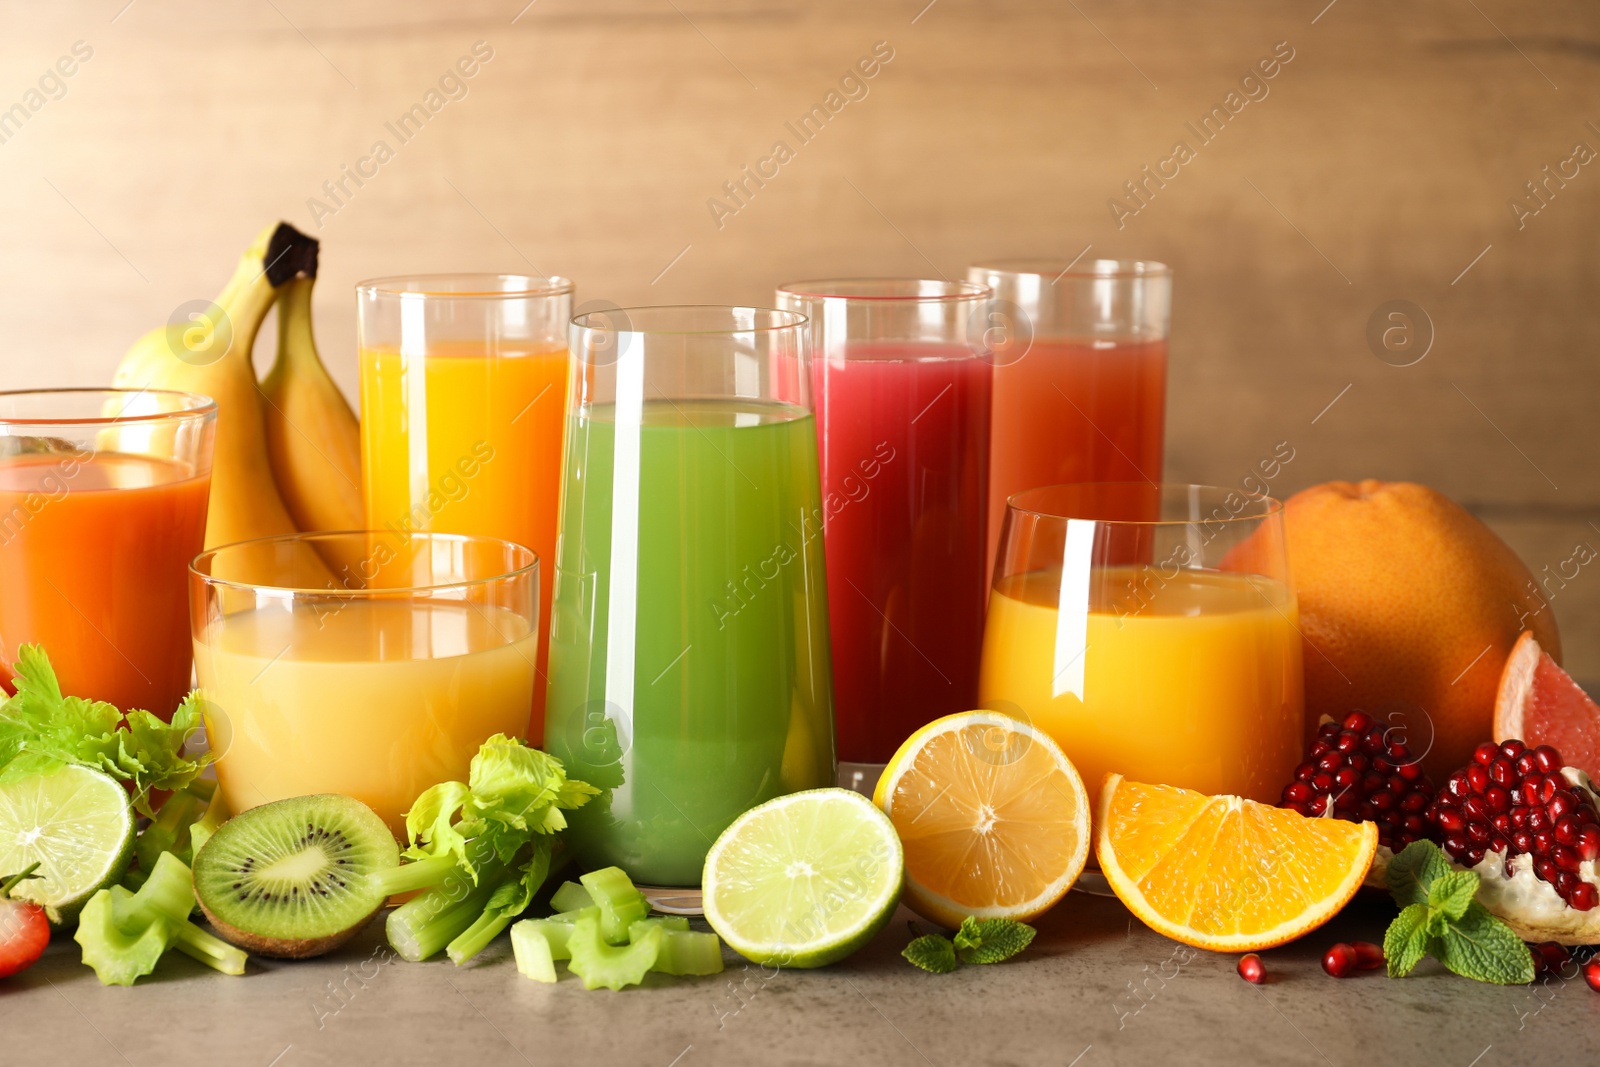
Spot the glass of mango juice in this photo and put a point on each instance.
(1152, 630)
(372, 664)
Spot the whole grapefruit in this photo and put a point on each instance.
(1409, 606)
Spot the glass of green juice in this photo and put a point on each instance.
(690, 676)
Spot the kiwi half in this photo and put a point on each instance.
(289, 879)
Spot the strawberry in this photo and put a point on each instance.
(24, 931)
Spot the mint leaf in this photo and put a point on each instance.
(1450, 893)
(1481, 947)
(1406, 940)
(1414, 870)
(932, 953)
(991, 940)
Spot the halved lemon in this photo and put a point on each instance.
(1224, 873)
(992, 815)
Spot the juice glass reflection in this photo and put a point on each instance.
(689, 671)
(1153, 632)
(370, 664)
(902, 396)
(103, 497)
(463, 405)
(1080, 373)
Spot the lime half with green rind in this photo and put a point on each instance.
(77, 824)
(804, 880)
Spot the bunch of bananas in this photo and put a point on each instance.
(288, 449)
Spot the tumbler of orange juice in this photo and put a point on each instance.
(103, 498)
(463, 407)
(1152, 631)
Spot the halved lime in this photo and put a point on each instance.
(804, 880)
(77, 825)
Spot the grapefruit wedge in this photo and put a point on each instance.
(1539, 704)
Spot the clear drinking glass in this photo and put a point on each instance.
(689, 674)
(463, 404)
(372, 664)
(1080, 373)
(901, 374)
(1153, 632)
(103, 496)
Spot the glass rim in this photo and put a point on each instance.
(1263, 506)
(196, 406)
(876, 290)
(793, 320)
(437, 285)
(345, 593)
(1060, 267)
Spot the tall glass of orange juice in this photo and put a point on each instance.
(463, 407)
(102, 505)
(371, 664)
(1152, 631)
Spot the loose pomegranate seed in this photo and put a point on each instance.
(1251, 969)
(1368, 956)
(1549, 957)
(1339, 960)
(1354, 772)
(1591, 974)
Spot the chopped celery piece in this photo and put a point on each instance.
(533, 950)
(558, 930)
(124, 934)
(613, 967)
(571, 897)
(683, 951)
(621, 905)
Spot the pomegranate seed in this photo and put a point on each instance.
(1528, 792)
(1565, 882)
(1512, 749)
(1566, 858)
(1410, 771)
(1339, 960)
(1373, 782)
(1497, 799)
(1543, 842)
(1451, 820)
(1330, 762)
(1522, 841)
(1477, 778)
(1415, 824)
(1551, 955)
(1347, 743)
(1589, 842)
(1346, 777)
(1525, 764)
(1538, 820)
(1548, 789)
(1502, 773)
(1478, 832)
(1251, 968)
(1498, 844)
(1383, 801)
(1414, 802)
(1304, 772)
(1584, 897)
(1322, 783)
(1485, 753)
(1369, 957)
(1473, 856)
(1546, 870)
(1564, 803)
(1358, 761)
(1502, 823)
(1548, 759)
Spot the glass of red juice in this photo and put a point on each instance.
(103, 497)
(1080, 373)
(901, 381)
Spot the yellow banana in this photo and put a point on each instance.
(210, 354)
(313, 438)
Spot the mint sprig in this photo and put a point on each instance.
(978, 941)
(1439, 918)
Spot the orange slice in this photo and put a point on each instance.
(992, 815)
(1224, 873)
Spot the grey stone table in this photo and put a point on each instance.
(1096, 988)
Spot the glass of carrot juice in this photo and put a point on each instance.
(371, 664)
(1152, 631)
(103, 497)
(1080, 373)
(463, 407)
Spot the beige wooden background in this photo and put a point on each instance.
(1379, 167)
